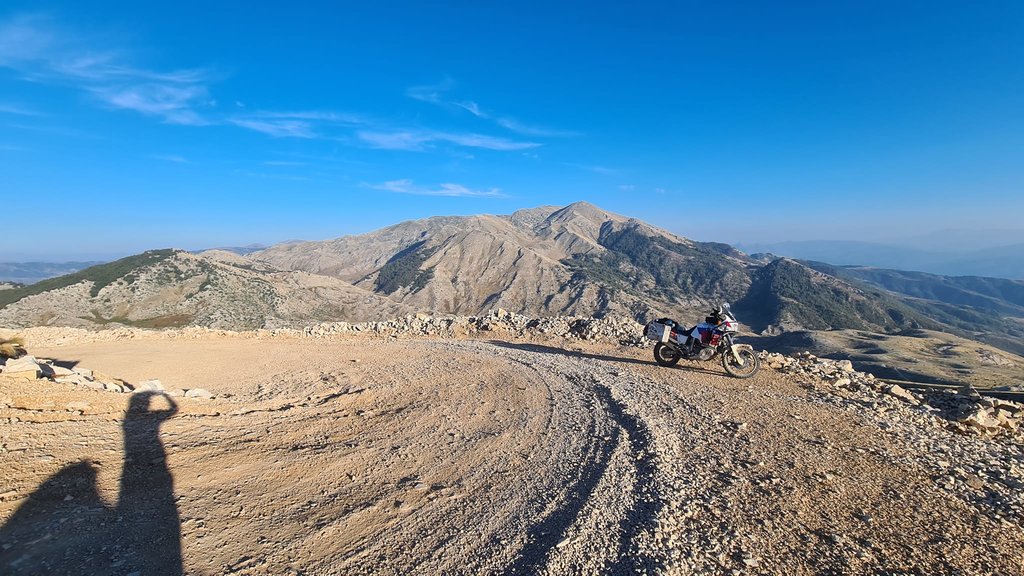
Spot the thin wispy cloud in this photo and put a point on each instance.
(175, 104)
(448, 189)
(539, 131)
(279, 128)
(41, 51)
(25, 37)
(602, 170)
(18, 110)
(298, 124)
(488, 142)
(422, 140)
(290, 177)
(63, 131)
(284, 163)
(436, 94)
(341, 118)
(472, 107)
(430, 92)
(170, 158)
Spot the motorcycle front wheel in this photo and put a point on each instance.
(665, 355)
(748, 365)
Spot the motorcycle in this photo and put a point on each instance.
(714, 337)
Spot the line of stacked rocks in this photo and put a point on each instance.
(618, 330)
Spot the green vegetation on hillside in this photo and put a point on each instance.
(996, 295)
(654, 265)
(987, 309)
(786, 288)
(101, 276)
(403, 269)
(157, 322)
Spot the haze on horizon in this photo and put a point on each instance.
(128, 127)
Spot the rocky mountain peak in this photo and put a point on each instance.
(529, 218)
(583, 214)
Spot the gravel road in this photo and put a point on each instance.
(360, 456)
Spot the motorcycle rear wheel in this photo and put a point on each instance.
(665, 355)
(750, 363)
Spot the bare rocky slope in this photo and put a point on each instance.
(167, 288)
(541, 449)
(467, 265)
(582, 260)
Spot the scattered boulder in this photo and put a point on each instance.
(82, 372)
(981, 418)
(897, 391)
(198, 393)
(24, 367)
(59, 371)
(149, 386)
(76, 379)
(989, 357)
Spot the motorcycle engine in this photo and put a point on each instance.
(706, 353)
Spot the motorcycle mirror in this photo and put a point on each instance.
(725, 305)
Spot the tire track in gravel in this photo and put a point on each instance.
(666, 520)
(645, 510)
(637, 508)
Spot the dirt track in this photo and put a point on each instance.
(469, 457)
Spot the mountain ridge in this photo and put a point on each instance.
(575, 260)
(999, 261)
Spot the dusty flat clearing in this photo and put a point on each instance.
(360, 456)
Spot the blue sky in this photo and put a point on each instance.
(127, 126)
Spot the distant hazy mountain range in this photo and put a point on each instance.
(576, 260)
(1002, 261)
(240, 250)
(29, 272)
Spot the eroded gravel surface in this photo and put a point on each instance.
(360, 456)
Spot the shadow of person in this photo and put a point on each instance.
(145, 503)
(65, 528)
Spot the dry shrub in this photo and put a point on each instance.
(12, 347)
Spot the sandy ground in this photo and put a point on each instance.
(360, 456)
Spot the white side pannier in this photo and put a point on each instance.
(657, 331)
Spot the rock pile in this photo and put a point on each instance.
(617, 330)
(966, 410)
(32, 368)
